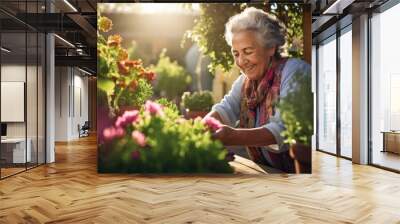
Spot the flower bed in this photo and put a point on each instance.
(156, 140)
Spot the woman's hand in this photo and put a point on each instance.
(225, 134)
(244, 136)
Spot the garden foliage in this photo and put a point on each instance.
(157, 140)
(121, 81)
(209, 30)
(172, 79)
(296, 110)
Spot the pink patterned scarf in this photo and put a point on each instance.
(264, 96)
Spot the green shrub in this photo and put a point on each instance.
(172, 79)
(168, 104)
(197, 101)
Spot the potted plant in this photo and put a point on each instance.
(296, 111)
(197, 104)
(123, 83)
(155, 139)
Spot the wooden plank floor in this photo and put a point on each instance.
(71, 191)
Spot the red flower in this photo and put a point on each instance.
(121, 84)
(133, 85)
(148, 75)
(133, 63)
(122, 68)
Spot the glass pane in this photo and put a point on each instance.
(385, 85)
(314, 81)
(41, 99)
(327, 96)
(31, 97)
(346, 94)
(13, 73)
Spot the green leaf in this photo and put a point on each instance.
(106, 85)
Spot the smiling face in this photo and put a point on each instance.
(250, 56)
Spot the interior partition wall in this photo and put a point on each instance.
(22, 77)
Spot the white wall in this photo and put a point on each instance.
(71, 93)
(12, 73)
(61, 103)
(34, 125)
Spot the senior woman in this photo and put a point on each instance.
(256, 39)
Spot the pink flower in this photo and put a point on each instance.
(212, 123)
(112, 133)
(153, 108)
(120, 122)
(139, 138)
(135, 154)
(127, 118)
(131, 116)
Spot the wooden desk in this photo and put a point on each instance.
(391, 141)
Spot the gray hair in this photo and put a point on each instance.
(270, 31)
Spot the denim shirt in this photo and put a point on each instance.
(229, 107)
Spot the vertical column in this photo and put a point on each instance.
(50, 92)
(360, 90)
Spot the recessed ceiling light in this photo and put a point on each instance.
(5, 49)
(64, 40)
(84, 71)
(338, 6)
(70, 5)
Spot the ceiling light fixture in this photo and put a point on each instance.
(337, 7)
(70, 5)
(65, 41)
(84, 71)
(5, 49)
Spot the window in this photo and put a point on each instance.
(327, 96)
(346, 93)
(385, 84)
